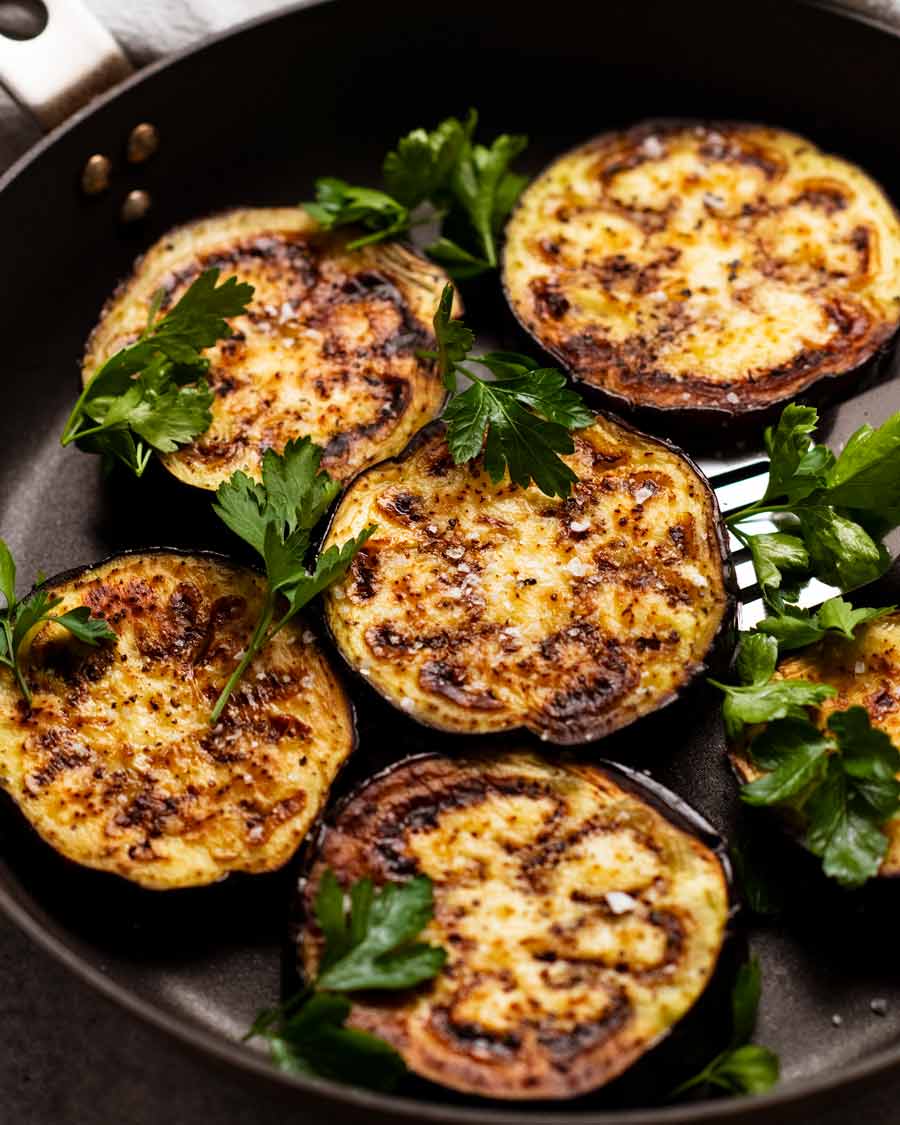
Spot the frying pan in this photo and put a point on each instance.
(251, 118)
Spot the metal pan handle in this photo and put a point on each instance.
(70, 61)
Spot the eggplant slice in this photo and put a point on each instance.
(866, 673)
(478, 607)
(116, 765)
(328, 347)
(580, 923)
(722, 267)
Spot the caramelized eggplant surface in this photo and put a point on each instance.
(328, 347)
(580, 923)
(116, 765)
(722, 267)
(479, 607)
(866, 673)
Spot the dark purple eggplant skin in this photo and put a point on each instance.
(718, 655)
(691, 1043)
(741, 420)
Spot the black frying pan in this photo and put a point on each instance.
(252, 118)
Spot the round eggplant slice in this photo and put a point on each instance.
(479, 607)
(328, 347)
(866, 673)
(116, 765)
(722, 267)
(580, 923)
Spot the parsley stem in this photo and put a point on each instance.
(757, 509)
(256, 643)
(14, 661)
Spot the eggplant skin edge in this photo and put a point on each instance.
(876, 651)
(116, 766)
(548, 991)
(638, 378)
(327, 349)
(397, 658)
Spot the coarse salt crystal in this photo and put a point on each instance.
(455, 552)
(579, 525)
(652, 147)
(576, 566)
(837, 1020)
(287, 312)
(879, 1006)
(732, 397)
(657, 295)
(859, 667)
(308, 636)
(432, 529)
(619, 902)
(464, 567)
(407, 703)
(644, 493)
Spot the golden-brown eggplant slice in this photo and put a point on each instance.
(479, 607)
(116, 765)
(580, 923)
(690, 266)
(866, 673)
(328, 347)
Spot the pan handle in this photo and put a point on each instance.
(70, 61)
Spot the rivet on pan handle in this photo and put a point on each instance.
(73, 59)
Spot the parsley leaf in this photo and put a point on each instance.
(371, 946)
(469, 187)
(276, 518)
(380, 952)
(19, 618)
(743, 1067)
(338, 203)
(793, 627)
(520, 420)
(842, 781)
(484, 191)
(153, 394)
(830, 511)
(759, 698)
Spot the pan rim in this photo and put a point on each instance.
(45, 932)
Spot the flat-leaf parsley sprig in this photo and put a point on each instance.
(276, 517)
(831, 511)
(841, 782)
(469, 187)
(743, 1067)
(368, 946)
(19, 618)
(520, 420)
(153, 395)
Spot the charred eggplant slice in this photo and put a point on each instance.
(866, 673)
(116, 765)
(479, 607)
(580, 923)
(328, 347)
(687, 266)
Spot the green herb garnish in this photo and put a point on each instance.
(520, 420)
(743, 1067)
(276, 518)
(841, 782)
(19, 618)
(469, 187)
(368, 946)
(831, 511)
(153, 395)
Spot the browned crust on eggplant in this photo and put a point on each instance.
(755, 268)
(328, 348)
(115, 764)
(866, 673)
(551, 988)
(479, 608)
